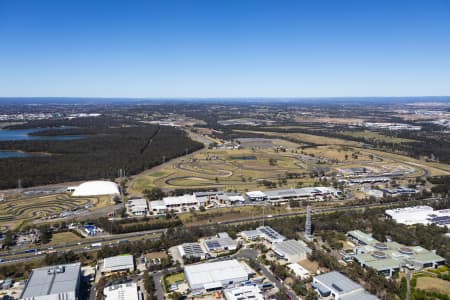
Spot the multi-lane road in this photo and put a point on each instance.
(86, 245)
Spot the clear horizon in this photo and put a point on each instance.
(224, 49)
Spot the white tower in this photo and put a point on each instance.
(308, 231)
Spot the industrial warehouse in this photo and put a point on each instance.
(119, 263)
(216, 275)
(53, 283)
(291, 250)
(340, 287)
(425, 215)
(263, 232)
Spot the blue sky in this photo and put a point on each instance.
(224, 48)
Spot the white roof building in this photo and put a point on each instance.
(270, 234)
(251, 235)
(299, 271)
(221, 243)
(96, 188)
(307, 193)
(291, 250)
(138, 207)
(256, 196)
(340, 287)
(158, 207)
(216, 275)
(118, 263)
(249, 292)
(419, 215)
(127, 291)
(263, 232)
(191, 250)
(53, 283)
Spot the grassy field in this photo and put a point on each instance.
(370, 136)
(174, 278)
(224, 170)
(14, 212)
(305, 138)
(64, 238)
(433, 284)
(338, 152)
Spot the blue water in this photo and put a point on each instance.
(13, 154)
(23, 135)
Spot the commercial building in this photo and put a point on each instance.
(90, 229)
(95, 188)
(251, 235)
(182, 203)
(53, 283)
(340, 287)
(370, 180)
(270, 234)
(256, 196)
(221, 243)
(399, 191)
(216, 275)
(190, 250)
(126, 291)
(249, 292)
(291, 250)
(120, 263)
(137, 207)
(263, 232)
(419, 215)
(388, 258)
(234, 198)
(307, 193)
(177, 203)
(158, 207)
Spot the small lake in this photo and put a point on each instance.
(24, 135)
(13, 154)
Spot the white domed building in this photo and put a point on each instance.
(95, 188)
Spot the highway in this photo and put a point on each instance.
(86, 245)
(317, 211)
(79, 247)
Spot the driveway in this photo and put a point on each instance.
(253, 254)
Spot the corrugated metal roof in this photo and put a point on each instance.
(61, 279)
(120, 262)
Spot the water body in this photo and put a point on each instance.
(13, 154)
(24, 135)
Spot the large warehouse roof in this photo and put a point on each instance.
(54, 282)
(341, 286)
(291, 249)
(96, 188)
(118, 263)
(215, 273)
(420, 215)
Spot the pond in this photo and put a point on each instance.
(24, 135)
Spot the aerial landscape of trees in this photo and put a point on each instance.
(105, 147)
